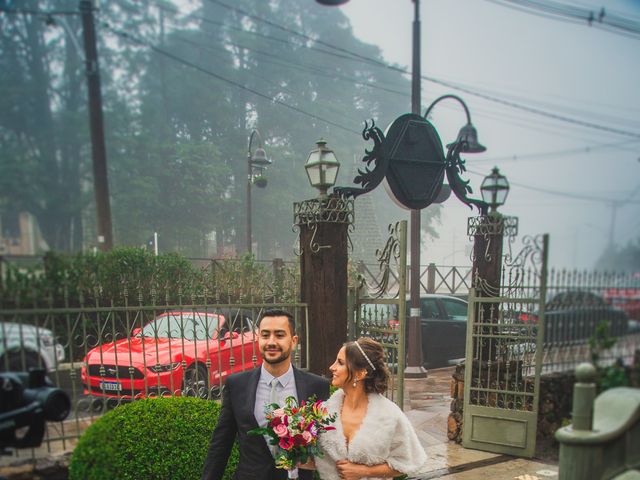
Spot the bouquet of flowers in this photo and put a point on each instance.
(293, 430)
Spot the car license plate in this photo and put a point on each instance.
(111, 386)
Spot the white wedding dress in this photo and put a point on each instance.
(385, 436)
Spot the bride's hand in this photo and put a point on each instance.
(351, 471)
(310, 465)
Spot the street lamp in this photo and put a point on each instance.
(488, 230)
(322, 167)
(256, 161)
(468, 135)
(494, 189)
(323, 224)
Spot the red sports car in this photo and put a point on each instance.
(177, 353)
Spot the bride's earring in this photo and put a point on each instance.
(355, 382)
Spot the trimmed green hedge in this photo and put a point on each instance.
(162, 438)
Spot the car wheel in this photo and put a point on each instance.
(196, 382)
(13, 362)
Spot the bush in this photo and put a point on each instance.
(90, 279)
(162, 438)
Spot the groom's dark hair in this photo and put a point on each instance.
(277, 312)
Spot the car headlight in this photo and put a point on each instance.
(165, 368)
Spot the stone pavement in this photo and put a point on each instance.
(427, 403)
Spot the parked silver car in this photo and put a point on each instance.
(25, 346)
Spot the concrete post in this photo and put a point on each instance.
(431, 278)
(584, 393)
(602, 442)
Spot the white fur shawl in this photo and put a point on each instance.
(385, 436)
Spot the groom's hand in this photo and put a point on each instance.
(351, 471)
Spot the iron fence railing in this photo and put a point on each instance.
(102, 356)
(449, 280)
(588, 316)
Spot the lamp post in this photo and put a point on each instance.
(488, 231)
(255, 161)
(323, 224)
(466, 142)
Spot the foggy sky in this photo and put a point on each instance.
(572, 70)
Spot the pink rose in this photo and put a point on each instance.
(278, 412)
(280, 430)
(308, 437)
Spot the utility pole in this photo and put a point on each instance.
(98, 149)
(414, 365)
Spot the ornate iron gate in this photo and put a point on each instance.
(503, 355)
(379, 312)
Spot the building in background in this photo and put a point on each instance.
(20, 235)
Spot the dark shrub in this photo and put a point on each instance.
(162, 438)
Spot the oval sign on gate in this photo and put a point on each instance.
(416, 161)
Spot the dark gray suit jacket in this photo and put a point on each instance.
(237, 418)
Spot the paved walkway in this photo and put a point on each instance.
(427, 404)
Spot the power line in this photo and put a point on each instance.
(278, 60)
(43, 13)
(469, 91)
(558, 11)
(378, 63)
(555, 153)
(576, 196)
(176, 58)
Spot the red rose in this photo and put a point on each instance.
(276, 421)
(299, 440)
(286, 443)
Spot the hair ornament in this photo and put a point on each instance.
(364, 355)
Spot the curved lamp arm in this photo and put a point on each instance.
(256, 133)
(464, 105)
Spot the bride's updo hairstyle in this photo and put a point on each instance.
(377, 378)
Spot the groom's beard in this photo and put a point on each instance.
(284, 354)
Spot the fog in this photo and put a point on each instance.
(580, 184)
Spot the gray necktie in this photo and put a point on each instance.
(273, 397)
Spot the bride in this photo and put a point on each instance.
(373, 438)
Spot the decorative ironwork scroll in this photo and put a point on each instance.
(454, 166)
(490, 226)
(391, 251)
(332, 209)
(369, 179)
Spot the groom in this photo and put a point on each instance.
(245, 395)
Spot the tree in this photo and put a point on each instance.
(182, 90)
(621, 259)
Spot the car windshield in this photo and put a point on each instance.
(188, 325)
(456, 309)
